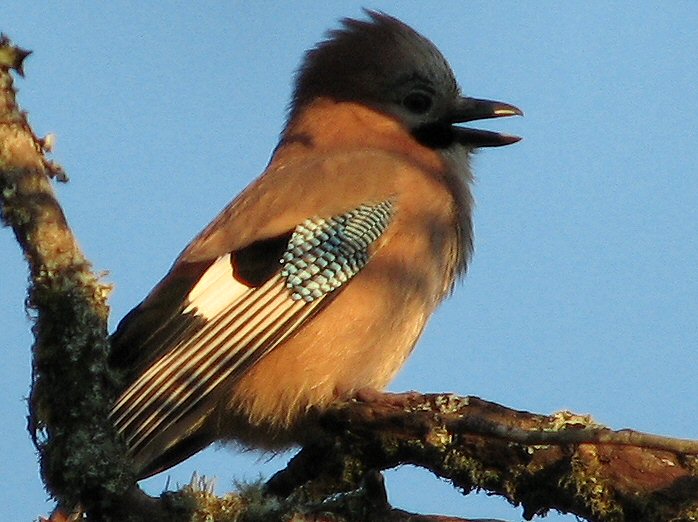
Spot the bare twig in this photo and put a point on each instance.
(571, 433)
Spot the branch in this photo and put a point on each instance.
(563, 461)
(82, 461)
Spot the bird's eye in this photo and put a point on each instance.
(417, 102)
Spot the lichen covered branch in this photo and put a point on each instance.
(81, 458)
(564, 461)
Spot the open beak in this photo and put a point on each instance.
(470, 109)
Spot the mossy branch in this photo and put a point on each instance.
(82, 461)
(563, 461)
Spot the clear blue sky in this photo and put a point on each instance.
(583, 292)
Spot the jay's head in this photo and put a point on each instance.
(383, 63)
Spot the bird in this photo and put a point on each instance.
(315, 283)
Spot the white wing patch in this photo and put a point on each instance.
(215, 290)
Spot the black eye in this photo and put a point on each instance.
(417, 102)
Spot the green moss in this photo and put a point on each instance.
(596, 494)
(469, 472)
(11, 211)
(82, 459)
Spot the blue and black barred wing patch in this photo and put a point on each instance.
(323, 254)
(242, 306)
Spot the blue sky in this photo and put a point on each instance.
(583, 291)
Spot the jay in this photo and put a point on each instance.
(316, 282)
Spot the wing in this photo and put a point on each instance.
(231, 312)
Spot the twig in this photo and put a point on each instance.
(570, 434)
